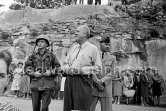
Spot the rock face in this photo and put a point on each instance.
(130, 39)
(70, 12)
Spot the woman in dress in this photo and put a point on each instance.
(117, 86)
(144, 80)
(156, 87)
(25, 86)
(128, 84)
(18, 72)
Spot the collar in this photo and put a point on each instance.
(107, 56)
(38, 52)
(84, 44)
(106, 53)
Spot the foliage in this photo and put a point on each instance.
(152, 13)
(4, 35)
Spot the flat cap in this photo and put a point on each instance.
(105, 38)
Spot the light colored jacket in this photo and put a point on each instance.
(108, 66)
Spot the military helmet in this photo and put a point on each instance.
(43, 37)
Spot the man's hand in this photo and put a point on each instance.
(99, 82)
(71, 71)
(74, 71)
(29, 70)
(38, 74)
(47, 73)
(99, 85)
(67, 71)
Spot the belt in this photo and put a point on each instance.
(75, 75)
(82, 76)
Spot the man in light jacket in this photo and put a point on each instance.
(108, 65)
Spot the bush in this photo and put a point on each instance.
(4, 35)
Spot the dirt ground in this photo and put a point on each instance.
(57, 105)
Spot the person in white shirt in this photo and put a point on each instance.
(82, 62)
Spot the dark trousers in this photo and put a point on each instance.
(137, 96)
(105, 103)
(81, 1)
(68, 2)
(90, 2)
(41, 100)
(97, 2)
(77, 93)
(75, 2)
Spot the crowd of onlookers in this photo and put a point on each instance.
(138, 86)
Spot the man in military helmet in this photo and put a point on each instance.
(41, 66)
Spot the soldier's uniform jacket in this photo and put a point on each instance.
(42, 63)
(108, 66)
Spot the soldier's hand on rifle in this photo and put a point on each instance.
(38, 74)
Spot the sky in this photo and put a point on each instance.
(7, 3)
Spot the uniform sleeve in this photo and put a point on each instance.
(29, 64)
(29, 61)
(55, 62)
(55, 65)
(96, 67)
(107, 79)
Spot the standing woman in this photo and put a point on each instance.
(144, 80)
(156, 87)
(25, 85)
(128, 84)
(18, 72)
(117, 86)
